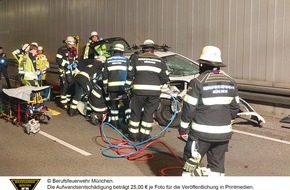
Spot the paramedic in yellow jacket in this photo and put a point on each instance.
(28, 62)
(19, 53)
(42, 66)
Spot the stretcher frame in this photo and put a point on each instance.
(25, 107)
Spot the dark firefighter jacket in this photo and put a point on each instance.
(210, 104)
(148, 73)
(115, 72)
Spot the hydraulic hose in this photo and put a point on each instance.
(137, 150)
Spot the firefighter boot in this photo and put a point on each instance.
(115, 123)
(123, 128)
(94, 118)
(72, 112)
(63, 106)
(134, 137)
(144, 137)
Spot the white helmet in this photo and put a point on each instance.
(118, 47)
(34, 44)
(70, 40)
(40, 48)
(101, 58)
(94, 33)
(212, 54)
(148, 44)
(25, 47)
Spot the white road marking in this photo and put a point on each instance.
(262, 137)
(65, 144)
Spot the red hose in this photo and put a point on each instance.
(141, 154)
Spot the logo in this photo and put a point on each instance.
(25, 184)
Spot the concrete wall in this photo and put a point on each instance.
(252, 34)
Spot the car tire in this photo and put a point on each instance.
(164, 114)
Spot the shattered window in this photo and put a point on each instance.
(179, 66)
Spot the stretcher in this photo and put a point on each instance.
(25, 107)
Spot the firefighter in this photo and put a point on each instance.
(4, 66)
(89, 51)
(28, 63)
(66, 58)
(42, 66)
(211, 103)
(97, 107)
(17, 54)
(114, 78)
(149, 73)
(93, 49)
(83, 81)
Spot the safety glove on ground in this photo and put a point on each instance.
(192, 163)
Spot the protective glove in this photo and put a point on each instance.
(17, 51)
(74, 65)
(168, 85)
(69, 67)
(192, 163)
(40, 76)
(183, 135)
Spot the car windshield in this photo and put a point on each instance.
(180, 66)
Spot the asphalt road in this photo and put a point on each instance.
(71, 146)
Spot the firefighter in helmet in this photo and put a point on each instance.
(114, 78)
(19, 53)
(148, 72)
(66, 58)
(28, 63)
(209, 106)
(89, 51)
(93, 49)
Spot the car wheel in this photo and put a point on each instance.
(164, 114)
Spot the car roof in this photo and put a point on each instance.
(164, 53)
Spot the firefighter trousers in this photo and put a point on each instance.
(81, 85)
(143, 108)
